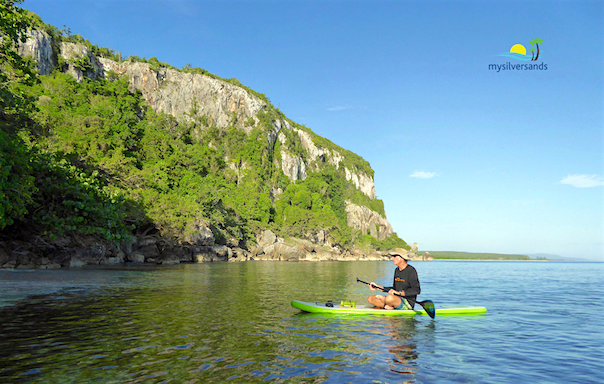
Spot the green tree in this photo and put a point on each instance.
(16, 179)
(14, 69)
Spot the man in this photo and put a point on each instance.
(405, 283)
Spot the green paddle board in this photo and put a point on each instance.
(366, 309)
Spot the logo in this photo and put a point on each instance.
(518, 52)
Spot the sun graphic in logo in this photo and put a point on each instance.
(518, 48)
(518, 51)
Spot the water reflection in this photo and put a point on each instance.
(403, 348)
(206, 323)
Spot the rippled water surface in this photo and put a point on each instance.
(232, 322)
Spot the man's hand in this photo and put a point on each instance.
(373, 286)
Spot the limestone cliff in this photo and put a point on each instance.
(368, 221)
(222, 103)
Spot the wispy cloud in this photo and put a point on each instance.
(583, 181)
(423, 175)
(338, 108)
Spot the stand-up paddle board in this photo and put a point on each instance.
(347, 307)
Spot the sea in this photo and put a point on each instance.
(233, 323)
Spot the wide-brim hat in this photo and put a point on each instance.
(399, 252)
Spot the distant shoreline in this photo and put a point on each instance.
(453, 255)
(484, 256)
(436, 259)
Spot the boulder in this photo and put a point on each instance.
(266, 238)
(240, 254)
(293, 253)
(202, 235)
(136, 257)
(284, 251)
(112, 260)
(269, 253)
(223, 252)
(184, 253)
(168, 259)
(149, 251)
(75, 262)
(210, 254)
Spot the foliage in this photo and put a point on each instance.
(91, 156)
(16, 180)
(14, 69)
(367, 242)
(53, 195)
(314, 204)
(70, 201)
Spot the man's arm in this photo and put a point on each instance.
(414, 287)
(373, 286)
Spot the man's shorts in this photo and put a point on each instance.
(404, 304)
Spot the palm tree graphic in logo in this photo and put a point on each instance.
(536, 42)
(518, 51)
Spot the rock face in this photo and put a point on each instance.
(187, 96)
(368, 221)
(220, 103)
(269, 247)
(39, 47)
(184, 95)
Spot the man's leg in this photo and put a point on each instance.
(392, 301)
(377, 301)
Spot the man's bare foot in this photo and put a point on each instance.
(388, 307)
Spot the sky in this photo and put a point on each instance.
(466, 157)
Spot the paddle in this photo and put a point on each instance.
(427, 305)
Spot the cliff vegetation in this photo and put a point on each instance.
(86, 152)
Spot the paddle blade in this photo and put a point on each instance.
(428, 306)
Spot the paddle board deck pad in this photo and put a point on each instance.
(366, 309)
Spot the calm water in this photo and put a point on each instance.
(232, 322)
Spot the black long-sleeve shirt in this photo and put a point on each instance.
(406, 280)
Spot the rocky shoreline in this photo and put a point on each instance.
(69, 253)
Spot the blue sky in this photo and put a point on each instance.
(465, 158)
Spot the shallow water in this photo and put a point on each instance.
(233, 322)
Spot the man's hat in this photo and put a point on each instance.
(399, 252)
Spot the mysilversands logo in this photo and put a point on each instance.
(518, 52)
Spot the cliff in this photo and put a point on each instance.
(198, 97)
(178, 94)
